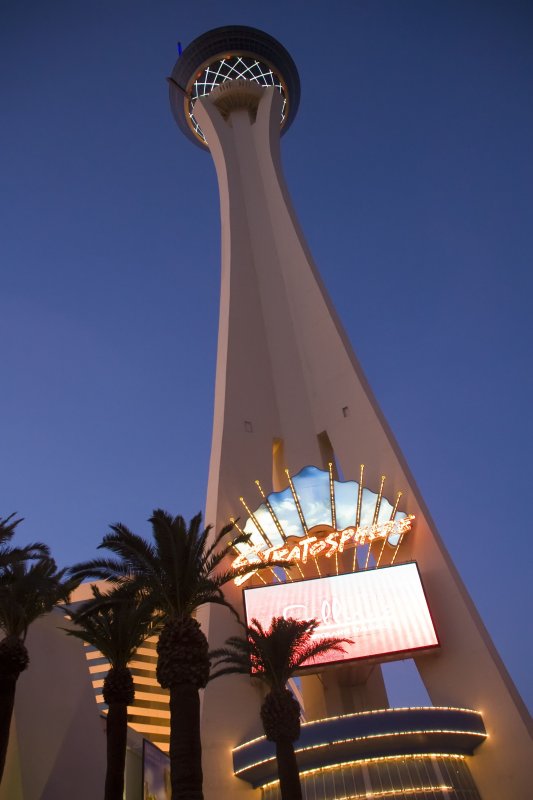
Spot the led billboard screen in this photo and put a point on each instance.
(384, 611)
(156, 773)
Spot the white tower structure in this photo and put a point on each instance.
(291, 393)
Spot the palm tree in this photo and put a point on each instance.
(179, 571)
(8, 554)
(273, 656)
(28, 590)
(116, 626)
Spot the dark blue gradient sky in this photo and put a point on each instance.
(410, 165)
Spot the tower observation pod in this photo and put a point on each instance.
(303, 458)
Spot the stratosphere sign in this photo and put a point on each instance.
(300, 549)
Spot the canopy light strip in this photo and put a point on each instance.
(370, 712)
(363, 761)
(350, 739)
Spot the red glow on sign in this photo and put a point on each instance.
(383, 611)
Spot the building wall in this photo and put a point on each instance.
(57, 742)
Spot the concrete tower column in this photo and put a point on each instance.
(286, 372)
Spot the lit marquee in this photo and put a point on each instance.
(319, 517)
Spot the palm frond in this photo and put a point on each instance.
(180, 568)
(8, 554)
(8, 525)
(218, 538)
(100, 569)
(234, 670)
(135, 552)
(273, 655)
(30, 590)
(217, 599)
(116, 624)
(319, 648)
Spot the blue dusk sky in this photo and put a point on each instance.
(410, 166)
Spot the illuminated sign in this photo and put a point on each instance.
(384, 611)
(318, 516)
(327, 544)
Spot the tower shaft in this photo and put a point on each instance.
(290, 392)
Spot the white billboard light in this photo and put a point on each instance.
(384, 611)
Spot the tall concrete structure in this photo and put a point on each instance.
(291, 393)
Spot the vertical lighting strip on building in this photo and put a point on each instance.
(262, 532)
(332, 497)
(358, 513)
(300, 513)
(378, 501)
(276, 523)
(392, 516)
(297, 502)
(238, 552)
(393, 559)
(272, 512)
(376, 515)
(256, 523)
(234, 522)
(333, 509)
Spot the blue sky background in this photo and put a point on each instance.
(410, 165)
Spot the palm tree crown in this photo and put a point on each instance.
(273, 656)
(276, 654)
(28, 590)
(10, 555)
(178, 570)
(115, 625)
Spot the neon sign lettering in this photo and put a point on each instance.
(299, 550)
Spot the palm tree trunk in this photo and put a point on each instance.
(185, 746)
(289, 776)
(117, 734)
(8, 685)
